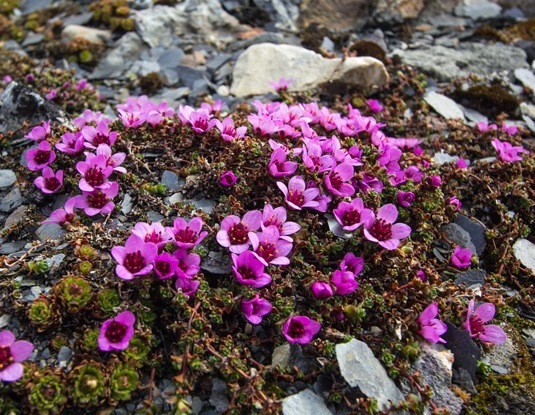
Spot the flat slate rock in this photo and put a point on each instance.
(445, 106)
(524, 251)
(459, 236)
(476, 231)
(305, 402)
(7, 178)
(471, 277)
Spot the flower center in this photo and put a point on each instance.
(52, 183)
(186, 235)
(296, 197)
(381, 230)
(163, 267)
(336, 180)
(296, 329)
(267, 250)
(134, 261)
(115, 332)
(94, 176)
(101, 139)
(238, 233)
(5, 357)
(476, 325)
(246, 273)
(154, 237)
(350, 217)
(42, 156)
(97, 200)
(274, 221)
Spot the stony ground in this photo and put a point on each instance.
(455, 75)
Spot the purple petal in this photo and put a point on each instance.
(400, 231)
(283, 188)
(12, 372)
(6, 338)
(485, 312)
(493, 334)
(388, 212)
(345, 170)
(123, 273)
(126, 317)
(369, 236)
(253, 219)
(428, 314)
(389, 244)
(289, 228)
(118, 253)
(21, 350)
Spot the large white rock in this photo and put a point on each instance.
(445, 106)
(524, 251)
(527, 78)
(361, 368)
(259, 64)
(94, 36)
(305, 402)
(478, 9)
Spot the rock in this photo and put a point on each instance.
(218, 398)
(397, 11)
(447, 64)
(11, 201)
(524, 251)
(445, 106)
(360, 368)
(477, 9)
(501, 356)
(466, 353)
(443, 158)
(216, 263)
(7, 178)
(281, 356)
(64, 354)
(305, 402)
(458, 236)
(20, 104)
(527, 78)
(475, 229)
(262, 63)
(30, 6)
(7, 248)
(127, 204)
(284, 13)
(94, 36)
(435, 367)
(528, 110)
(337, 15)
(471, 277)
(16, 217)
(205, 205)
(120, 58)
(171, 180)
(50, 231)
(473, 115)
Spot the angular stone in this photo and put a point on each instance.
(527, 78)
(475, 229)
(281, 356)
(458, 236)
(283, 13)
(445, 106)
(120, 58)
(524, 251)
(94, 36)
(396, 11)
(443, 158)
(337, 15)
(477, 9)
(360, 368)
(7, 178)
(265, 62)
(50, 230)
(305, 402)
(11, 201)
(471, 277)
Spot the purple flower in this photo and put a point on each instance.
(12, 352)
(352, 263)
(51, 94)
(228, 179)
(456, 203)
(279, 166)
(315, 160)
(249, 270)
(476, 325)
(71, 143)
(321, 290)
(199, 120)
(40, 157)
(431, 328)
(369, 182)
(300, 329)
(461, 257)
(39, 132)
(509, 129)
(506, 152)
(421, 274)
(344, 282)
(99, 135)
(135, 258)
(99, 201)
(374, 105)
(269, 248)
(281, 85)
(187, 235)
(461, 164)
(297, 195)
(405, 199)
(113, 160)
(277, 217)
(165, 265)
(95, 172)
(116, 333)
(383, 230)
(64, 214)
(49, 182)
(228, 131)
(188, 286)
(337, 180)
(255, 309)
(154, 233)
(434, 181)
(189, 264)
(351, 215)
(483, 126)
(234, 233)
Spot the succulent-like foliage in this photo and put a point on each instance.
(43, 313)
(108, 300)
(123, 382)
(90, 340)
(47, 394)
(137, 351)
(38, 267)
(88, 385)
(74, 293)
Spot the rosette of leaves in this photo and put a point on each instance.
(43, 313)
(90, 341)
(108, 300)
(74, 293)
(88, 385)
(8, 407)
(47, 394)
(124, 381)
(137, 351)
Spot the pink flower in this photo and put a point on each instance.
(255, 309)
(369, 182)
(461, 164)
(277, 217)
(279, 166)
(154, 233)
(228, 179)
(269, 248)
(249, 270)
(51, 94)
(476, 325)
(421, 274)
(234, 233)
(228, 131)
(483, 126)
(405, 199)
(352, 263)
(40, 157)
(39, 132)
(99, 201)
(434, 181)
(12, 352)
(187, 235)
(506, 152)
(116, 333)
(71, 143)
(49, 182)
(321, 290)
(95, 172)
(374, 105)
(351, 215)
(64, 214)
(344, 282)
(165, 265)
(383, 230)
(281, 85)
(113, 160)
(461, 257)
(189, 264)
(300, 329)
(99, 135)
(509, 129)
(199, 120)
(135, 258)
(188, 286)
(456, 203)
(297, 195)
(337, 180)
(315, 160)
(431, 328)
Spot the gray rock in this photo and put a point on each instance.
(7, 248)
(284, 13)
(11, 201)
(32, 39)
(127, 204)
(94, 36)
(171, 58)
(218, 399)
(188, 76)
(281, 356)
(360, 368)
(78, 19)
(218, 61)
(265, 62)
(397, 11)
(120, 58)
(445, 106)
(20, 104)
(50, 230)
(475, 229)
(305, 402)
(206, 205)
(501, 356)
(16, 217)
(473, 115)
(140, 4)
(447, 64)
(524, 251)
(171, 180)
(216, 263)
(458, 236)
(30, 6)
(477, 9)
(143, 68)
(64, 354)
(338, 16)
(435, 367)
(527, 78)
(443, 158)
(471, 277)
(7, 178)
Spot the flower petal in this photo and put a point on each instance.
(388, 212)
(12, 372)
(21, 350)
(493, 334)
(485, 312)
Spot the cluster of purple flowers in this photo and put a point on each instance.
(431, 328)
(342, 281)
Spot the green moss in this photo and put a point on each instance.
(489, 99)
